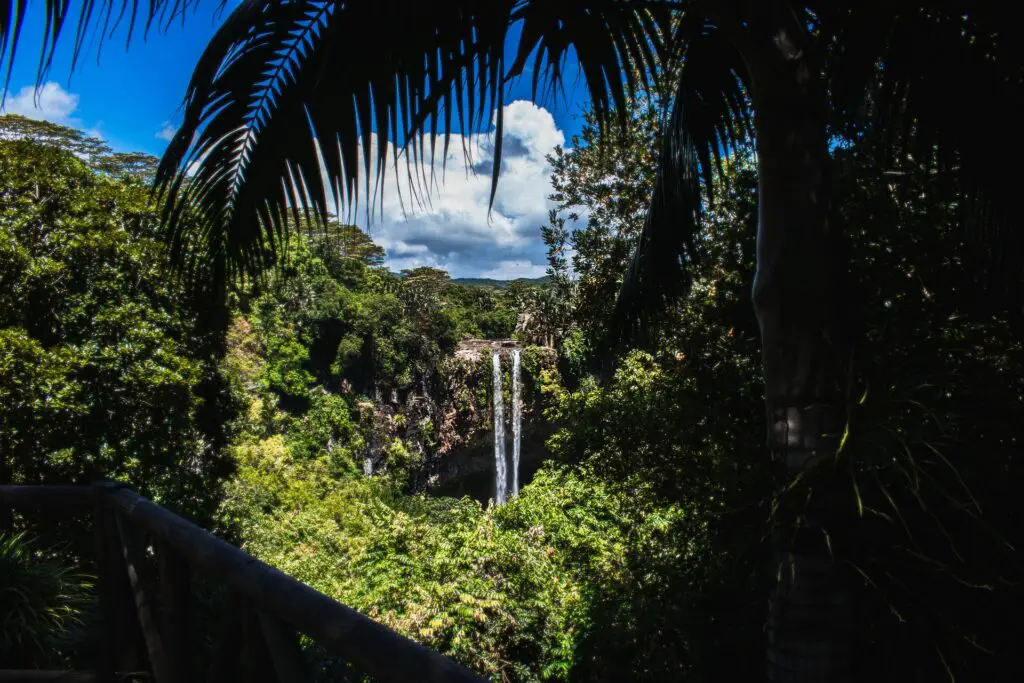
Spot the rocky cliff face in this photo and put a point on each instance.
(447, 429)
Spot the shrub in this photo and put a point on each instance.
(40, 599)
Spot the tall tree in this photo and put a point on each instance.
(605, 176)
(92, 150)
(280, 75)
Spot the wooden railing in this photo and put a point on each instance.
(147, 600)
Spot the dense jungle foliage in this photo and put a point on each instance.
(638, 550)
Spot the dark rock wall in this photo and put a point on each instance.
(448, 427)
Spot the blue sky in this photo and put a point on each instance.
(126, 96)
(132, 99)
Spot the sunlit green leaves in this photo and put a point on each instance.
(103, 369)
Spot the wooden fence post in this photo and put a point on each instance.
(227, 648)
(5, 477)
(257, 665)
(176, 613)
(142, 591)
(121, 642)
(283, 644)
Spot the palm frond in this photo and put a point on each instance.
(294, 103)
(710, 117)
(93, 19)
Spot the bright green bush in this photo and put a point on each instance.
(511, 591)
(106, 367)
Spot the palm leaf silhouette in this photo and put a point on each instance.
(286, 102)
(292, 105)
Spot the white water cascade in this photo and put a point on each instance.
(501, 476)
(517, 417)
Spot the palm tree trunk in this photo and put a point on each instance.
(810, 623)
(796, 296)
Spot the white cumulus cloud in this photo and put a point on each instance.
(167, 131)
(50, 103)
(453, 229)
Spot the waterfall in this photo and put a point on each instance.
(368, 466)
(517, 417)
(501, 477)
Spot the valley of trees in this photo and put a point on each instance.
(262, 372)
(638, 551)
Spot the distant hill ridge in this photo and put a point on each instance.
(499, 284)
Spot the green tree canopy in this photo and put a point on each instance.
(104, 371)
(92, 150)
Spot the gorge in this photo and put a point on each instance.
(487, 416)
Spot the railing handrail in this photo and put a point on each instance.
(374, 648)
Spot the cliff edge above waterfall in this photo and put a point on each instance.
(473, 350)
(446, 432)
